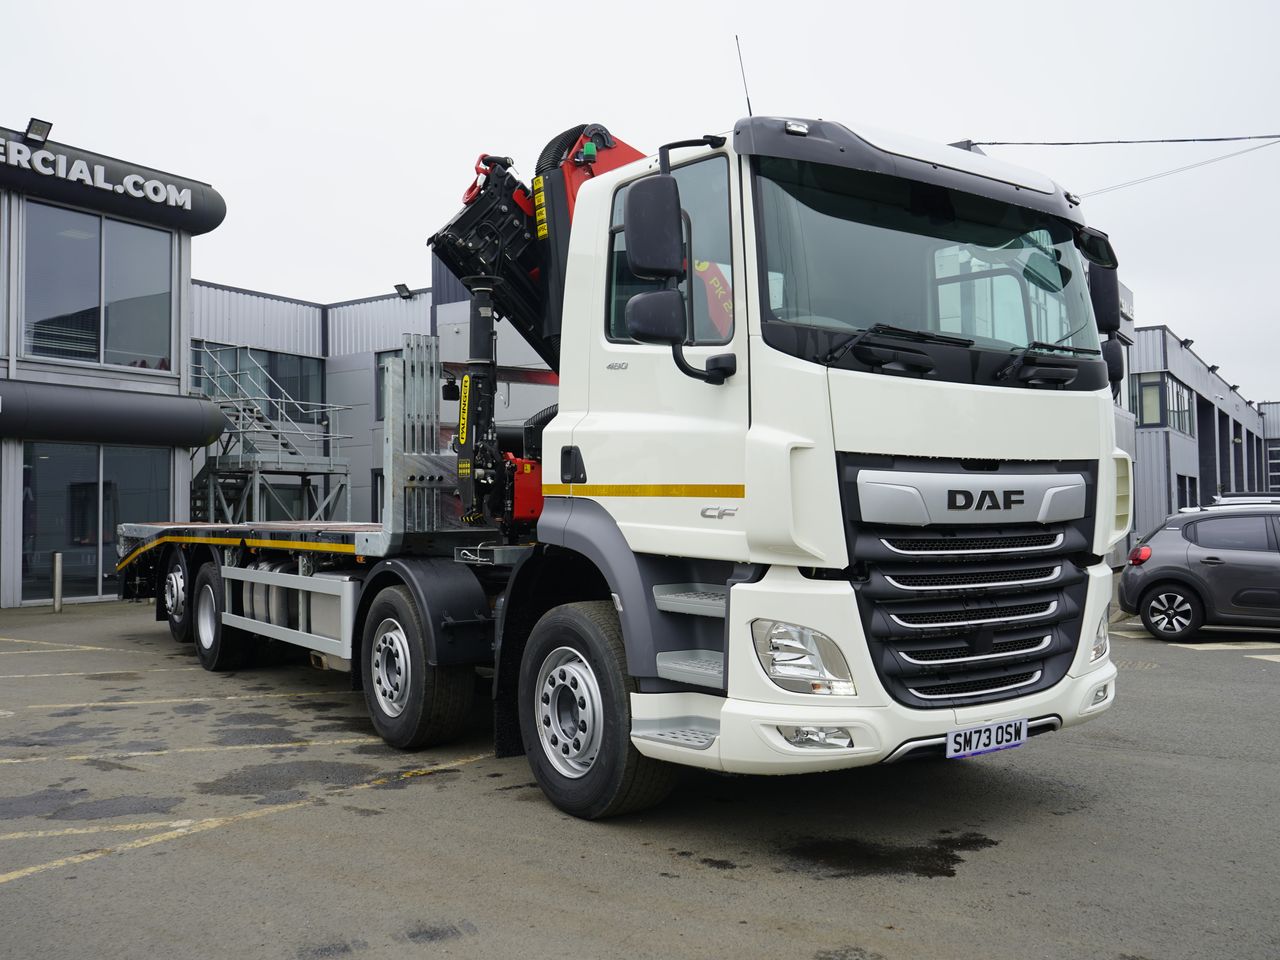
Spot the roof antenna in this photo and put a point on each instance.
(744, 75)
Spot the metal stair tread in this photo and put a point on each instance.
(698, 599)
(704, 668)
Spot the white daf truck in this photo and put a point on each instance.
(830, 480)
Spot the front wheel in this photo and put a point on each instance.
(1172, 612)
(575, 716)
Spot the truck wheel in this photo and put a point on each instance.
(219, 647)
(177, 600)
(575, 716)
(411, 703)
(1171, 612)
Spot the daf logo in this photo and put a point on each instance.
(718, 513)
(985, 499)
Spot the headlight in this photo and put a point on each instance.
(801, 659)
(1101, 640)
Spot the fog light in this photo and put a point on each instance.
(1099, 695)
(836, 738)
(1101, 640)
(801, 659)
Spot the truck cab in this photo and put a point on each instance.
(863, 538)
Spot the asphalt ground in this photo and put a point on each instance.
(148, 808)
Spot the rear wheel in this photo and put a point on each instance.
(1171, 612)
(411, 703)
(219, 647)
(177, 603)
(575, 716)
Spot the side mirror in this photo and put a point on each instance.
(1104, 293)
(657, 316)
(1113, 354)
(1096, 247)
(654, 229)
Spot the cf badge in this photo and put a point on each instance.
(718, 513)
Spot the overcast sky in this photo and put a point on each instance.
(342, 135)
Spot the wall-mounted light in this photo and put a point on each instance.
(1235, 387)
(38, 130)
(404, 291)
(1213, 368)
(1187, 342)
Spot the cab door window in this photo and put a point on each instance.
(704, 195)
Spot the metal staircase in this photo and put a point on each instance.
(278, 458)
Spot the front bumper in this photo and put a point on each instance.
(748, 740)
(739, 733)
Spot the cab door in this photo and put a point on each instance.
(661, 451)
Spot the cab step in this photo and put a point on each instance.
(691, 733)
(704, 668)
(698, 599)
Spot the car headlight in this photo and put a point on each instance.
(801, 659)
(1102, 639)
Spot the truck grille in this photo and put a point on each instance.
(950, 546)
(958, 614)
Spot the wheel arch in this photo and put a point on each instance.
(451, 603)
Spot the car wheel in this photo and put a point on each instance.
(176, 599)
(1171, 612)
(575, 716)
(219, 647)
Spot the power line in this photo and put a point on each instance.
(1169, 173)
(1099, 143)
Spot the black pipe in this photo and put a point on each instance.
(54, 411)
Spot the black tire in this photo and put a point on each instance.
(430, 705)
(220, 648)
(599, 774)
(175, 594)
(1171, 612)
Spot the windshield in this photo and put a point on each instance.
(845, 249)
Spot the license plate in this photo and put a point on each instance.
(987, 738)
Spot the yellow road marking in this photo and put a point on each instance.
(213, 823)
(60, 647)
(93, 673)
(291, 744)
(102, 828)
(147, 703)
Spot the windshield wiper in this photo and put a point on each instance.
(889, 330)
(1039, 346)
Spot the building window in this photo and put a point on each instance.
(1144, 398)
(380, 382)
(1182, 408)
(283, 385)
(97, 290)
(73, 495)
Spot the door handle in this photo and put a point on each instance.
(1212, 560)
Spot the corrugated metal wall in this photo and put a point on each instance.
(365, 326)
(1150, 481)
(1270, 419)
(245, 318)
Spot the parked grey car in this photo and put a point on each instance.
(1216, 566)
